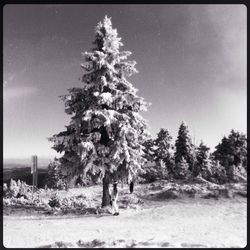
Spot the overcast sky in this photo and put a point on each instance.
(191, 59)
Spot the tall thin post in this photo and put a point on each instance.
(34, 172)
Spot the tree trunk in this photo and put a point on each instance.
(131, 187)
(106, 199)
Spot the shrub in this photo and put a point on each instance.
(153, 173)
(17, 189)
(54, 201)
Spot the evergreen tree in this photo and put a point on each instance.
(55, 177)
(184, 147)
(106, 131)
(238, 143)
(202, 160)
(231, 152)
(223, 152)
(181, 170)
(164, 149)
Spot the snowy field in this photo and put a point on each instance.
(154, 222)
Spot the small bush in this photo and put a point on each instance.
(17, 189)
(153, 173)
(54, 201)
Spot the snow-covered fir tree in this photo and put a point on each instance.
(181, 170)
(55, 178)
(216, 172)
(231, 152)
(184, 147)
(203, 162)
(106, 132)
(164, 150)
(223, 152)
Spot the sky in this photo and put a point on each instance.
(191, 61)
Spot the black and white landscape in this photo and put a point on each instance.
(137, 116)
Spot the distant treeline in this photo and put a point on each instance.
(184, 159)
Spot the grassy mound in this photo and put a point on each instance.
(197, 189)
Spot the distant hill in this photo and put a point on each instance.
(26, 162)
(24, 174)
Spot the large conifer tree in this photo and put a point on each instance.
(184, 147)
(106, 132)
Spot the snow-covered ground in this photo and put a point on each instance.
(184, 222)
